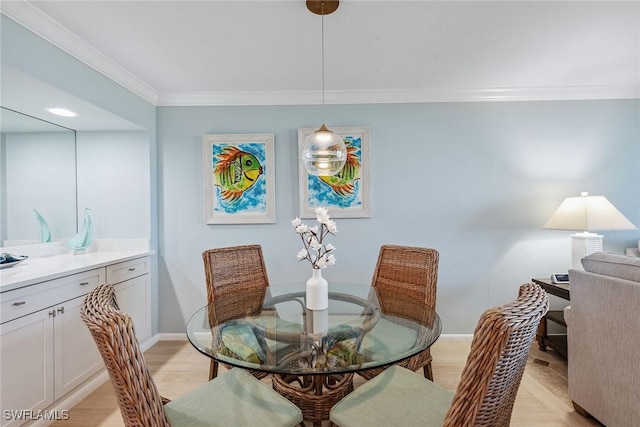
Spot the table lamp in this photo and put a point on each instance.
(587, 214)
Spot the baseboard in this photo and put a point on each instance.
(455, 338)
(172, 337)
(148, 343)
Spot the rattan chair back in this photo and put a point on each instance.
(233, 271)
(139, 400)
(409, 271)
(236, 269)
(401, 272)
(496, 362)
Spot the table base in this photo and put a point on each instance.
(315, 395)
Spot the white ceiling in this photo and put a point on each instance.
(269, 52)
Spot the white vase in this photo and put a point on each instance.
(317, 291)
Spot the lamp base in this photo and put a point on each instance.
(583, 244)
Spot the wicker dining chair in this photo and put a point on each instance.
(407, 271)
(235, 398)
(233, 270)
(488, 385)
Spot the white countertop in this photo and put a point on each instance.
(38, 270)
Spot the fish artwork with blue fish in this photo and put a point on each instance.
(235, 172)
(343, 183)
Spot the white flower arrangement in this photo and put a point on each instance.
(315, 251)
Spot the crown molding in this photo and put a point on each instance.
(239, 98)
(407, 96)
(30, 17)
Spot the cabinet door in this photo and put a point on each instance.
(26, 365)
(76, 355)
(134, 299)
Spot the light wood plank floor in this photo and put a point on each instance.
(177, 367)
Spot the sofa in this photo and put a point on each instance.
(603, 333)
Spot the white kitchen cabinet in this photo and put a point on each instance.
(132, 286)
(76, 355)
(26, 365)
(46, 351)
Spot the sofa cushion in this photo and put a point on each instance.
(633, 252)
(613, 265)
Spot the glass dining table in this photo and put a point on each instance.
(313, 354)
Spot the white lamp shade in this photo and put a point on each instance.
(324, 153)
(588, 213)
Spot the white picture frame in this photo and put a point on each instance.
(314, 191)
(236, 189)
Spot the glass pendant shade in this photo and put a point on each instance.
(324, 153)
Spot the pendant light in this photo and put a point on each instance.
(324, 152)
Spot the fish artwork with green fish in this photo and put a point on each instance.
(237, 172)
(341, 189)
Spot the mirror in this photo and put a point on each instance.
(38, 171)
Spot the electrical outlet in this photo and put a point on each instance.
(49, 249)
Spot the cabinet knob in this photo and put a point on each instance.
(132, 269)
(61, 310)
(19, 303)
(52, 313)
(84, 283)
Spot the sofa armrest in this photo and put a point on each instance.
(603, 341)
(567, 315)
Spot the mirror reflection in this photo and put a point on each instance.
(38, 171)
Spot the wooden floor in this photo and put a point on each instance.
(177, 368)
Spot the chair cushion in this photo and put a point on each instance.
(387, 338)
(233, 398)
(241, 343)
(280, 325)
(271, 322)
(397, 396)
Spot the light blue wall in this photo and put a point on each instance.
(475, 181)
(114, 183)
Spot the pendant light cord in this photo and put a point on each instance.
(322, 33)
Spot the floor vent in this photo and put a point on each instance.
(541, 362)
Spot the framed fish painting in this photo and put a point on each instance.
(346, 194)
(239, 178)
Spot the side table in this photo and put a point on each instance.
(556, 342)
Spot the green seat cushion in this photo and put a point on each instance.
(233, 398)
(386, 339)
(271, 322)
(240, 342)
(397, 396)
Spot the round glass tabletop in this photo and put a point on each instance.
(273, 331)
